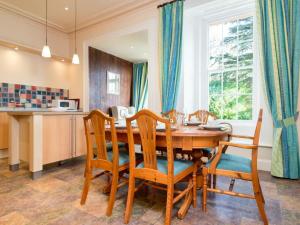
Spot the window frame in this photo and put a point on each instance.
(223, 17)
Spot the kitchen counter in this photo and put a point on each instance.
(43, 136)
(35, 111)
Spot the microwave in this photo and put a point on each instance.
(64, 105)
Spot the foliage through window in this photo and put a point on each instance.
(230, 69)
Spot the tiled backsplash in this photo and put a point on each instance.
(17, 95)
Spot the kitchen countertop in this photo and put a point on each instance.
(34, 111)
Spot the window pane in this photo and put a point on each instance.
(245, 107)
(230, 30)
(246, 28)
(215, 105)
(215, 59)
(215, 35)
(245, 54)
(215, 85)
(230, 69)
(229, 82)
(230, 107)
(245, 81)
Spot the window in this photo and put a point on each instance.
(113, 83)
(230, 69)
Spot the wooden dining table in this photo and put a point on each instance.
(191, 139)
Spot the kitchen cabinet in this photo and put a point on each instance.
(57, 138)
(3, 130)
(63, 137)
(45, 137)
(80, 140)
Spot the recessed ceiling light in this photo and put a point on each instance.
(66, 8)
(16, 48)
(131, 47)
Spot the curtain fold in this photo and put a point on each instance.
(170, 48)
(279, 27)
(140, 85)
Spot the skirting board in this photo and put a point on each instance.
(3, 153)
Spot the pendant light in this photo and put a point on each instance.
(46, 50)
(75, 59)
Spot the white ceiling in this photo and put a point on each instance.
(132, 47)
(89, 11)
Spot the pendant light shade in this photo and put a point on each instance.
(75, 59)
(46, 50)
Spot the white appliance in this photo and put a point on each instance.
(64, 105)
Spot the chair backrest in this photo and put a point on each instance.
(146, 123)
(258, 128)
(96, 123)
(202, 115)
(172, 115)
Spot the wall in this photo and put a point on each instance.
(19, 67)
(99, 63)
(23, 31)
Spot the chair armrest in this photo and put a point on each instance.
(241, 136)
(238, 145)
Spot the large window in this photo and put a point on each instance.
(230, 69)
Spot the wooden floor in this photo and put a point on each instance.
(54, 199)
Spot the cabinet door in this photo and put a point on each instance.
(80, 140)
(3, 131)
(57, 138)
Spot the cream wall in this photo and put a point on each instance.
(25, 68)
(20, 30)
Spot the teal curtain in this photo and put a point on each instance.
(170, 47)
(140, 85)
(279, 27)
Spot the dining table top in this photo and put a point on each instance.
(184, 131)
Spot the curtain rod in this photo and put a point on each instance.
(166, 3)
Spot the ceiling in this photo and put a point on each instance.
(132, 47)
(89, 11)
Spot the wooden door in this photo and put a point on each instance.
(80, 141)
(57, 138)
(3, 130)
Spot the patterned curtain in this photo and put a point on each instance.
(170, 46)
(279, 27)
(140, 85)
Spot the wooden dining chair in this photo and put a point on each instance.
(157, 172)
(172, 115)
(237, 167)
(202, 115)
(114, 163)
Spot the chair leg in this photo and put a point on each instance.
(113, 191)
(169, 207)
(263, 199)
(86, 186)
(204, 189)
(209, 181)
(259, 200)
(195, 188)
(130, 197)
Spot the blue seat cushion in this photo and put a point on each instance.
(233, 163)
(206, 150)
(162, 165)
(123, 157)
